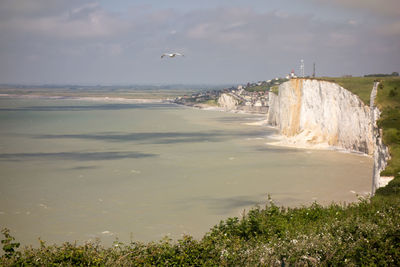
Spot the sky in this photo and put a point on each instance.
(224, 41)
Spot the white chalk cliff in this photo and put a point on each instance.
(228, 102)
(312, 113)
(234, 103)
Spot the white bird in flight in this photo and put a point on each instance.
(172, 55)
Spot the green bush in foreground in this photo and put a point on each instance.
(363, 233)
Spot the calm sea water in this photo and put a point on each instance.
(81, 170)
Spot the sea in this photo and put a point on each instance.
(121, 170)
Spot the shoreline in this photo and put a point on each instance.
(112, 99)
(217, 108)
(284, 141)
(281, 140)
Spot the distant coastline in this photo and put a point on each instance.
(87, 98)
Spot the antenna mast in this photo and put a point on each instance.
(313, 75)
(302, 68)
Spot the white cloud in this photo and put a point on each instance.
(220, 43)
(85, 21)
(352, 22)
(337, 39)
(200, 31)
(377, 7)
(392, 29)
(382, 15)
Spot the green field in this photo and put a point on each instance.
(366, 233)
(388, 101)
(362, 87)
(358, 85)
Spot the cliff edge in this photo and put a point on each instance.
(381, 151)
(319, 113)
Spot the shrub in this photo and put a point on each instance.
(363, 233)
(9, 247)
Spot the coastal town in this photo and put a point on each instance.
(251, 97)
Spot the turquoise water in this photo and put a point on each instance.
(80, 170)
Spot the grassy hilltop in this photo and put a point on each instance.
(363, 233)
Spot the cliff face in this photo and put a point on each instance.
(227, 102)
(231, 102)
(381, 151)
(311, 112)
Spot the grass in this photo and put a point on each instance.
(358, 234)
(258, 88)
(275, 89)
(389, 93)
(390, 122)
(360, 86)
(389, 102)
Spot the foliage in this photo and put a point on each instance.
(363, 233)
(393, 92)
(393, 188)
(9, 247)
(389, 102)
(258, 88)
(382, 74)
(265, 86)
(275, 89)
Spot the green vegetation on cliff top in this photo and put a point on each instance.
(362, 87)
(363, 233)
(388, 100)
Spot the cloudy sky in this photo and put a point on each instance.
(225, 41)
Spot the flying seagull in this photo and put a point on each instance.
(172, 55)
